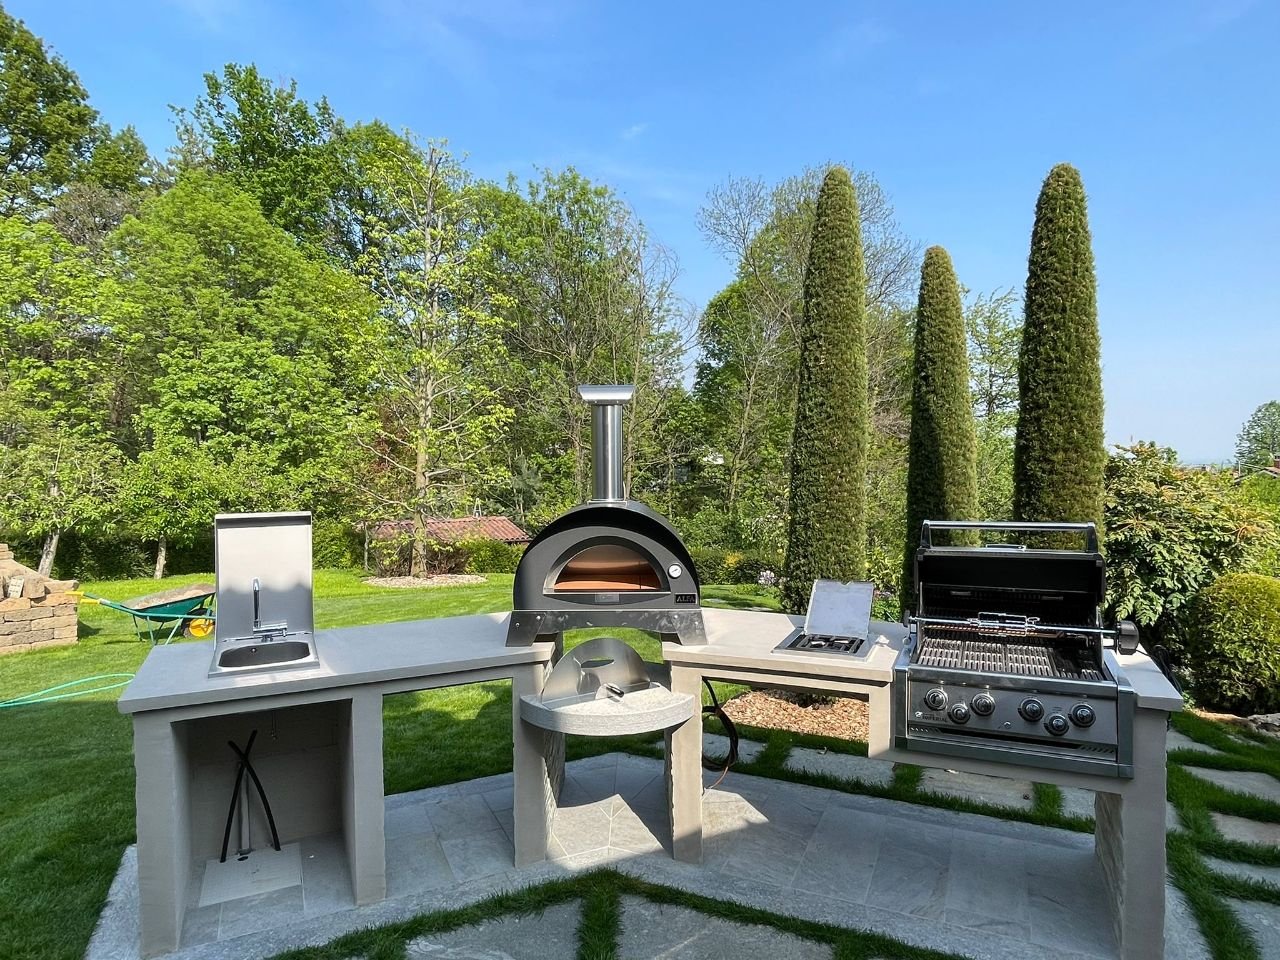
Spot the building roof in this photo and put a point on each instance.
(447, 530)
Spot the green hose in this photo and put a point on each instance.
(50, 694)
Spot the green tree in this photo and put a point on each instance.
(827, 533)
(239, 345)
(1258, 444)
(588, 299)
(171, 493)
(995, 340)
(1058, 450)
(46, 123)
(942, 477)
(57, 373)
(440, 412)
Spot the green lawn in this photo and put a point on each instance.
(66, 771)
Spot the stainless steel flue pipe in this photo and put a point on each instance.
(606, 437)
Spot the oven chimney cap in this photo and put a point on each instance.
(606, 402)
(606, 394)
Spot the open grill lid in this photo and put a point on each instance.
(1010, 579)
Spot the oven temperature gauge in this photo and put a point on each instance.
(675, 570)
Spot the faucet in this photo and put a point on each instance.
(269, 631)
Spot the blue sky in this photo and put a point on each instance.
(1171, 110)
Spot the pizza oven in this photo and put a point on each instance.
(610, 562)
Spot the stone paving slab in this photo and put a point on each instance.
(876, 773)
(1245, 830)
(657, 931)
(714, 745)
(790, 849)
(549, 935)
(1180, 741)
(1077, 802)
(1240, 781)
(1263, 921)
(997, 791)
(1245, 871)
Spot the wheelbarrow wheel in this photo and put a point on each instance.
(200, 626)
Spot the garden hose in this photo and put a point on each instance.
(50, 694)
(730, 729)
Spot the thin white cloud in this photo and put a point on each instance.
(633, 131)
(212, 14)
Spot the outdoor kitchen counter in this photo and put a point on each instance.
(178, 675)
(318, 748)
(1129, 813)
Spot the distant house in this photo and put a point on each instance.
(452, 530)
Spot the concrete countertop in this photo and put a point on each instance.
(745, 639)
(177, 675)
(1151, 688)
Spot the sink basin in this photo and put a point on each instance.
(236, 656)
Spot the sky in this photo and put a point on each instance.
(1170, 109)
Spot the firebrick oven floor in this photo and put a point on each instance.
(930, 877)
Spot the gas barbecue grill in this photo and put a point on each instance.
(1005, 661)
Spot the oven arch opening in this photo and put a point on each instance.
(606, 566)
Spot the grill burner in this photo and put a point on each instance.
(1006, 660)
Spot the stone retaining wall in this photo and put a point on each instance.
(43, 613)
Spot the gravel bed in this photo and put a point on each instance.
(440, 580)
(841, 717)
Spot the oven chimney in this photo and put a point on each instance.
(606, 438)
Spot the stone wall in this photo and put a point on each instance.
(41, 613)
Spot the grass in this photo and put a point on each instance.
(66, 779)
(599, 928)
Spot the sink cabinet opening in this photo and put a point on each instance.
(300, 756)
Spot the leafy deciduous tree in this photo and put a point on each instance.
(1258, 444)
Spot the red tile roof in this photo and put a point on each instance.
(444, 530)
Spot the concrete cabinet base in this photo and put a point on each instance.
(310, 758)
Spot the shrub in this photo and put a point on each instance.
(1170, 532)
(734, 567)
(1233, 637)
(491, 556)
(335, 545)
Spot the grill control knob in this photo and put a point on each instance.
(959, 713)
(1031, 709)
(1082, 715)
(983, 704)
(1057, 725)
(935, 699)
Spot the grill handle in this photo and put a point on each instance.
(1089, 530)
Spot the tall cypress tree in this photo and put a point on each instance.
(942, 469)
(1059, 457)
(827, 535)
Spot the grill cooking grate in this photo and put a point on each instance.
(992, 656)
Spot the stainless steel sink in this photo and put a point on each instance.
(242, 656)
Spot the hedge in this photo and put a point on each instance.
(732, 566)
(1234, 644)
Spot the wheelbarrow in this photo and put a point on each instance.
(187, 609)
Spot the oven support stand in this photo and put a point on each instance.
(538, 763)
(684, 772)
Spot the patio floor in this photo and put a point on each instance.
(968, 884)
